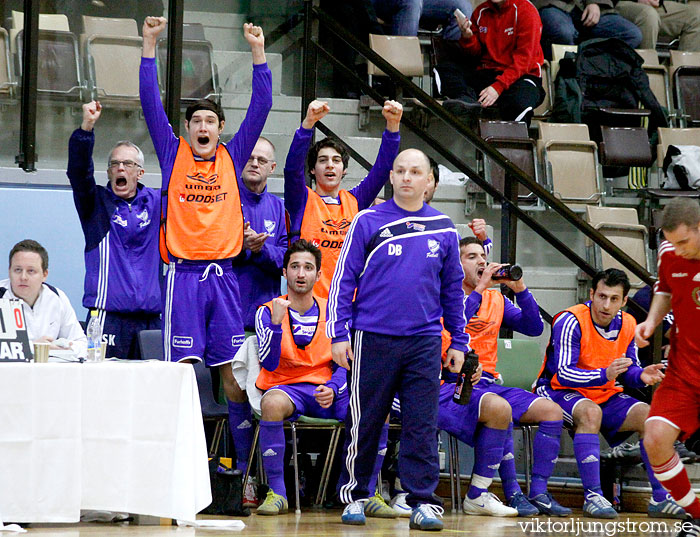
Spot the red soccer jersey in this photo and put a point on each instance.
(680, 278)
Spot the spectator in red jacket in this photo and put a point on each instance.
(503, 37)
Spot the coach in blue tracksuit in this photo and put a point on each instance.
(120, 223)
(402, 257)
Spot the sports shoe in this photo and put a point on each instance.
(597, 506)
(274, 504)
(487, 504)
(250, 497)
(684, 453)
(520, 502)
(377, 507)
(690, 528)
(354, 513)
(629, 452)
(399, 505)
(426, 517)
(666, 509)
(549, 506)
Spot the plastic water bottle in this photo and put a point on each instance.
(94, 338)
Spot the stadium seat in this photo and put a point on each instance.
(151, 345)
(8, 84)
(570, 160)
(620, 226)
(519, 361)
(544, 110)
(200, 78)
(405, 55)
(625, 150)
(659, 81)
(402, 52)
(512, 140)
(671, 136)
(302, 423)
(212, 410)
(558, 52)
(113, 55)
(685, 73)
(59, 76)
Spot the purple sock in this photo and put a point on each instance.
(488, 451)
(240, 421)
(507, 469)
(545, 451)
(272, 448)
(587, 452)
(381, 452)
(658, 492)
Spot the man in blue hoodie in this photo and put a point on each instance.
(120, 223)
(259, 273)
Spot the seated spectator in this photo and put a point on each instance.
(670, 19)
(568, 22)
(404, 16)
(509, 70)
(47, 310)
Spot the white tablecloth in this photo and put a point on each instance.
(117, 436)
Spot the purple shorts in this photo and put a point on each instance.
(615, 411)
(459, 420)
(302, 397)
(202, 317)
(519, 400)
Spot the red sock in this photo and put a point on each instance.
(674, 478)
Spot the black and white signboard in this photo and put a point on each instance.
(14, 342)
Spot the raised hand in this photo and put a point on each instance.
(392, 112)
(91, 113)
(315, 112)
(256, 39)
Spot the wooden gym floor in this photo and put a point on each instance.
(327, 524)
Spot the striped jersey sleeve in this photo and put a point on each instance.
(269, 339)
(566, 339)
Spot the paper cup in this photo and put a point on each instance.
(103, 351)
(41, 352)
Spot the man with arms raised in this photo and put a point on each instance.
(393, 247)
(323, 216)
(590, 354)
(675, 407)
(202, 226)
(120, 223)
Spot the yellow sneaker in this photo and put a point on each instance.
(274, 504)
(377, 507)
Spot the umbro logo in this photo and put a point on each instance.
(244, 425)
(270, 453)
(386, 233)
(508, 456)
(381, 452)
(590, 458)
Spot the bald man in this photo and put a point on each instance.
(398, 245)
